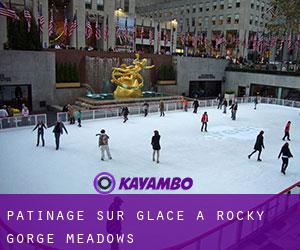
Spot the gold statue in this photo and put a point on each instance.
(128, 79)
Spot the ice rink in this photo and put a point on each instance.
(217, 161)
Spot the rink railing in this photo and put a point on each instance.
(113, 111)
(222, 238)
(21, 121)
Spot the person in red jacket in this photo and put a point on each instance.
(287, 131)
(204, 121)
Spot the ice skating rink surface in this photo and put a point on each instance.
(217, 160)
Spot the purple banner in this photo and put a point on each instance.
(150, 222)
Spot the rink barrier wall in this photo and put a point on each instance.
(221, 237)
(115, 110)
(21, 121)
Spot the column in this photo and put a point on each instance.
(78, 37)
(3, 33)
(279, 93)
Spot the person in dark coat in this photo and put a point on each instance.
(125, 113)
(40, 132)
(204, 121)
(255, 102)
(225, 104)
(146, 108)
(286, 154)
(220, 101)
(287, 131)
(58, 131)
(162, 108)
(259, 145)
(234, 108)
(156, 145)
(114, 226)
(195, 106)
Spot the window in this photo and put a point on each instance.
(187, 22)
(100, 4)
(194, 8)
(251, 20)
(213, 20)
(182, 11)
(252, 4)
(261, 24)
(88, 4)
(215, 5)
(126, 6)
(238, 3)
(207, 6)
(229, 4)
(193, 21)
(256, 21)
(206, 22)
(221, 20)
(262, 7)
(257, 5)
(201, 8)
(188, 10)
(200, 21)
(222, 5)
(229, 19)
(118, 4)
(236, 18)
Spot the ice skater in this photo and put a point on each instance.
(234, 108)
(286, 154)
(40, 132)
(58, 131)
(220, 101)
(204, 121)
(103, 144)
(146, 109)
(185, 105)
(287, 131)
(79, 117)
(125, 113)
(156, 145)
(162, 108)
(259, 145)
(225, 104)
(195, 106)
(71, 112)
(255, 102)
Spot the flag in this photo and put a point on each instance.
(51, 23)
(27, 17)
(4, 11)
(166, 36)
(261, 43)
(273, 41)
(220, 40)
(118, 31)
(194, 39)
(282, 43)
(151, 34)
(106, 30)
(290, 44)
(142, 32)
(126, 34)
(88, 28)
(65, 25)
(255, 42)
(182, 38)
(97, 30)
(73, 26)
(41, 19)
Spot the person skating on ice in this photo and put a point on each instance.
(58, 131)
(195, 106)
(71, 114)
(234, 108)
(259, 145)
(103, 144)
(79, 117)
(225, 104)
(185, 103)
(219, 99)
(285, 154)
(125, 113)
(40, 132)
(255, 101)
(146, 109)
(155, 142)
(162, 108)
(204, 121)
(287, 131)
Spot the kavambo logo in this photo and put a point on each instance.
(105, 183)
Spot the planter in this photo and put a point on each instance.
(229, 97)
(67, 85)
(166, 82)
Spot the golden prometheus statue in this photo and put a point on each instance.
(128, 79)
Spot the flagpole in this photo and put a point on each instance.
(76, 30)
